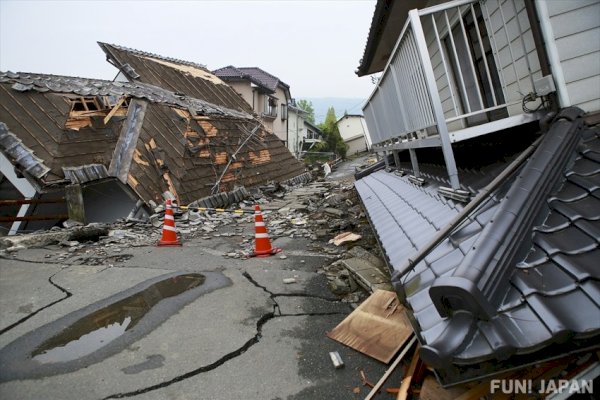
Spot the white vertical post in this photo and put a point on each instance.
(415, 163)
(396, 159)
(444, 63)
(434, 96)
(400, 100)
(21, 184)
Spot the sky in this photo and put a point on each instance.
(313, 46)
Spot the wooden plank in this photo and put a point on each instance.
(35, 218)
(391, 369)
(378, 327)
(407, 380)
(30, 201)
(114, 110)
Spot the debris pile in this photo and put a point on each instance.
(326, 212)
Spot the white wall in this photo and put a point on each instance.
(296, 131)
(576, 33)
(352, 131)
(257, 100)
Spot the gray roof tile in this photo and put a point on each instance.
(97, 87)
(552, 269)
(253, 74)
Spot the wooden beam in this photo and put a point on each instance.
(75, 207)
(407, 380)
(114, 110)
(35, 218)
(391, 369)
(29, 201)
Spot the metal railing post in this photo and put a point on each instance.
(414, 162)
(396, 159)
(434, 97)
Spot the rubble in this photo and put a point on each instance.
(345, 237)
(320, 210)
(71, 235)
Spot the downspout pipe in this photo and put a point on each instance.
(549, 45)
(540, 45)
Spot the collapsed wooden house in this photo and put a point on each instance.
(112, 146)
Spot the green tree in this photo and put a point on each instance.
(308, 107)
(333, 141)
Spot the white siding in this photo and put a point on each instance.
(576, 28)
(510, 54)
(352, 131)
(514, 76)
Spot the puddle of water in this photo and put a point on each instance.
(99, 328)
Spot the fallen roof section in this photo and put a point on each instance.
(178, 76)
(74, 130)
(499, 290)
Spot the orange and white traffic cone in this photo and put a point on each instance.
(169, 233)
(262, 243)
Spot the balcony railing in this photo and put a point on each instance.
(458, 70)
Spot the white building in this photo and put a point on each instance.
(353, 130)
(455, 70)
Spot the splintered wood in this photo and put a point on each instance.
(378, 327)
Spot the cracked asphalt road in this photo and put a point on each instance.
(255, 339)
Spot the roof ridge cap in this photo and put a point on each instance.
(157, 56)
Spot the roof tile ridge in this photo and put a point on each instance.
(157, 56)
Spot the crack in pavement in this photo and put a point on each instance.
(252, 341)
(276, 313)
(293, 294)
(19, 322)
(65, 291)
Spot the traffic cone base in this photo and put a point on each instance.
(265, 253)
(169, 233)
(262, 243)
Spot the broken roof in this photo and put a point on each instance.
(43, 83)
(254, 74)
(499, 290)
(178, 76)
(150, 138)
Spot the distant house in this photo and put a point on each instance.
(296, 128)
(486, 204)
(313, 136)
(267, 95)
(111, 148)
(354, 132)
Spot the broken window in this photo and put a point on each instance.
(85, 104)
(270, 107)
(83, 109)
(283, 112)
